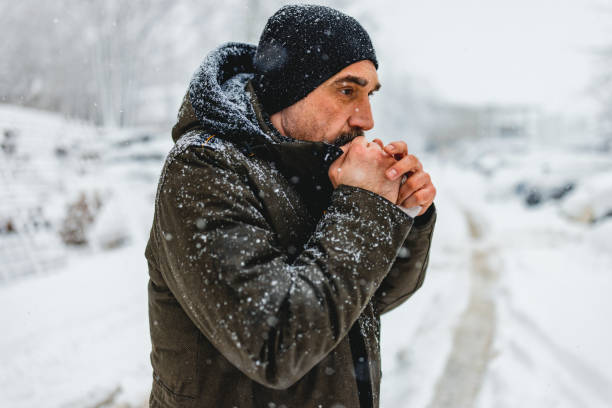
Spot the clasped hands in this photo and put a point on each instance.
(381, 169)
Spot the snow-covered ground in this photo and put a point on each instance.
(513, 312)
(77, 336)
(75, 333)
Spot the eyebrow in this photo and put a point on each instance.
(357, 80)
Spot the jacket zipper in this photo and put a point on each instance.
(361, 366)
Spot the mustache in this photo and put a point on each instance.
(347, 137)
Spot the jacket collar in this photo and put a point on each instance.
(295, 158)
(304, 164)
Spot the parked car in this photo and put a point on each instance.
(545, 188)
(592, 201)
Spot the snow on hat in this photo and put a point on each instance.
(301, 47)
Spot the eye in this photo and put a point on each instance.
(347, 91)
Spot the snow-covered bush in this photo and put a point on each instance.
(111, 228)
(80, 215)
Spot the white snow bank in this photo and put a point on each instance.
(72, 338)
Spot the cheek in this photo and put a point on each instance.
(318, 121)
(324, 122)
(334, 119)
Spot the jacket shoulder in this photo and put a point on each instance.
(199, 141)
(197, 148)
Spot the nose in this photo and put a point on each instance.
(361, 116)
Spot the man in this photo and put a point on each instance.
(279, 235)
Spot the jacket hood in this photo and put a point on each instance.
(216, 101)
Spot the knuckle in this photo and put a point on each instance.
(409, 202)
(412, 184)
(404, 162)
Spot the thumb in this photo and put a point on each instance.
(340, 160)
(333, 168)
(345, 147)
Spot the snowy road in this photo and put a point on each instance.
(514, 311)
(474, 334)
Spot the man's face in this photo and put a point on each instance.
(337, 111)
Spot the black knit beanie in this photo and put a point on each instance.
(301, 47)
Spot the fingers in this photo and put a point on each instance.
(359, 149)
(413, 183)
(423, 197)
(376, 146)
(379, 142)
(382, 146)
(360, 146)
(406, 164)
(397, 149)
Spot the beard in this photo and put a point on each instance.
(348, 137)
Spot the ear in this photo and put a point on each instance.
(277, 122)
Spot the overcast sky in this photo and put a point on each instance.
(504, 51)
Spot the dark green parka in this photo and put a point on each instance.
(266, 284)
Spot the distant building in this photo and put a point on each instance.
(454, 123)
(457, 123)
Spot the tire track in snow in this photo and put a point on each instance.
(460, 382)
(597, 384)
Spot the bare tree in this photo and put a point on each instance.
(601, 85)
(602, 90)
(93, 58)
(123, 40)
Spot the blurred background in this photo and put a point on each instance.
(508, 105)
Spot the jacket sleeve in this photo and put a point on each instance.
(408, 271)
(271, 314)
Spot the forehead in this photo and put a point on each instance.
(364, 70)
